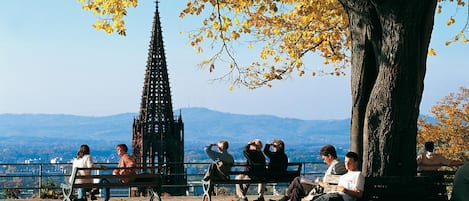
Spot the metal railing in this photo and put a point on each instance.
(26, 180)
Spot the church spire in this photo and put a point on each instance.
(157, 139)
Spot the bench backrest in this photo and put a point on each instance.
(107, 173)
(418, 188)
(293, 170)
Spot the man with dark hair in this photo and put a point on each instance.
(329, 156)
(351, 184)
(300, 187)
(429, 161)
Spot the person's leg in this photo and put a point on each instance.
(239, 188)
(210, 172)
(329, 197)
(81, 193)
(295, 184)
(242, 189)
(106, 193)
(260, 192)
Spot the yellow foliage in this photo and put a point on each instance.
(450, 21)
(450, 128)
(286, 31)
(431, 52)
(110, 12)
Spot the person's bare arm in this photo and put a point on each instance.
(354, 193)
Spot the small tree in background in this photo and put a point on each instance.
(449, 128)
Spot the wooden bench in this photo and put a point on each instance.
(150, 181)
(425, 187)
(293, 170)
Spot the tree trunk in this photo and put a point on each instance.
(390, 41)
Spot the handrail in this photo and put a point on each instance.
(33, 177)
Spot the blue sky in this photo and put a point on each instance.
(52, 61)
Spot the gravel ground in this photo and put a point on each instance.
(170, 198)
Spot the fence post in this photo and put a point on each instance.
(40, 177)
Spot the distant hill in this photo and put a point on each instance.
(201, 126)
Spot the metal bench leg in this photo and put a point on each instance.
(67, 191)
(207, 194)
(154, 196)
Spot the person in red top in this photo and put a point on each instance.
(125, 161)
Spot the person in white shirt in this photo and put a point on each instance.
(351, 184)
(301, 187)
(83, 160)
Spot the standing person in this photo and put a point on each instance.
(125, 161)
(83, 160)
(222, 162)
(299, 187)
(461, 184)
(429, 161)
(255, 161)
(351, 184)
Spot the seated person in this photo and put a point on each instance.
(222, 162)
(125, 161)
(350, 185)
(299, 187)
(429, 161)
(255, 168)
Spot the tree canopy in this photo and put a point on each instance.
(449, 127)
(284, 31)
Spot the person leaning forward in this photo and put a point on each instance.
(351, 184)
(299, 186)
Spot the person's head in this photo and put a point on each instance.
(84, 150)
(223, 145)
(255, 144)
(429, 146)
(121, 149)
(351, 161)
(328, 153)
(278, 145)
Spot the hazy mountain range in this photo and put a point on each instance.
(201, 126)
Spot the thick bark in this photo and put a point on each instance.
(390, 41)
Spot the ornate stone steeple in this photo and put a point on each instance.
(157, 139)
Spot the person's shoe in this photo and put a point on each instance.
(243, 199)
(259, 199)
(284, 198)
